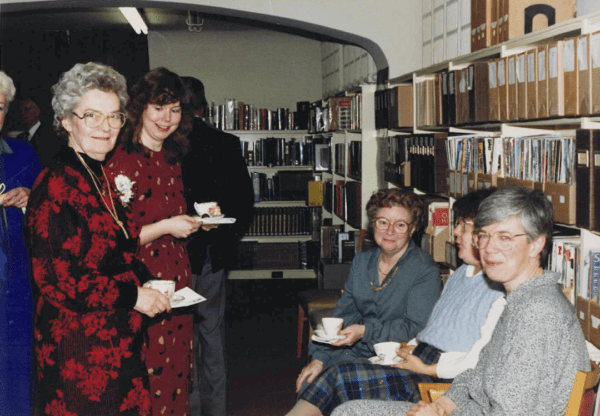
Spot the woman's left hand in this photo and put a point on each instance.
(353, 334)
(17, 197)
(411, 362)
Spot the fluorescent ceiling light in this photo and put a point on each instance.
(134, 19)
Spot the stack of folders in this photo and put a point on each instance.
(545, 162)
(428, 162)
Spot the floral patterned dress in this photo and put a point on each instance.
(158, 194)
(88, 338)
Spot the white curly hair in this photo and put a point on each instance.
(7, 87)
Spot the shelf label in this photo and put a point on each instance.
(541, 65)
(582, 53)
(492, 74)
(531, 67)
(569, 56)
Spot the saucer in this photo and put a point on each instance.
(379, 361)
(320, 336)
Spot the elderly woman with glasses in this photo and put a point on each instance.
(390, 291)
(537, 347)
(460, 325)
(89, 315)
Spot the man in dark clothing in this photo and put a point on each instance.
(39, 133)
(213, 170)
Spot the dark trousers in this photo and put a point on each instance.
(209, 389)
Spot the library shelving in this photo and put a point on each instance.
(535, 63)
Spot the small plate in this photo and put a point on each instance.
(379, 361)
(215, 220)
(320, 336)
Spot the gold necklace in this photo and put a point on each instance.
(377, 289)
(97, 185)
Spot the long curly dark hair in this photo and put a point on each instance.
(159, 86)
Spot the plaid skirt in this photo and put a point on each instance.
(362, 380)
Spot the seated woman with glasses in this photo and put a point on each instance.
(537, 347)
(460, 325)
(390, 291)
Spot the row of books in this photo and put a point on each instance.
(419, 161)
(336, 113)
(282, 185)
(495, 21)
(273, 151)
(394, 107)
(253, 255)
(347, 202)
(283, 221)
(338, 245)
(236, 115)
(543, 158)
(350, 165)
(553, 80)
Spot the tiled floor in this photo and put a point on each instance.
(261, 346)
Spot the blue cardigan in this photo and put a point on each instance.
(19, 166)
(396, 313)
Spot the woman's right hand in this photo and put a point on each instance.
(151, 302)
(309, 373)
(182, 226)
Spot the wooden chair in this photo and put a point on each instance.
(584, 384)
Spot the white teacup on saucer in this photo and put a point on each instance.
(386, 351)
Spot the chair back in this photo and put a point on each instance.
(431, 391)
(584, 381)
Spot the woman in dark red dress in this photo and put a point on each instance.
(152, 145)
(88, 322)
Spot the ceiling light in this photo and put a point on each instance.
(134, 19)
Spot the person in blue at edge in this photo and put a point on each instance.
(391, 289)
(19, 167)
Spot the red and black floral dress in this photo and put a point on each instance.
(158, 194)
(88, 338)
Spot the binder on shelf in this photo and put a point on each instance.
(404, 99)
(594, 330)
(542, 79)
(503, 88)
(595, 182)
(493, 91)
(315, 194)
(563, 197)
(583, 177)
(479, 100)
(476, 19)
(532, 84)
(595, 68)
(462, 98)
(556, 92)
(571, 75)
(445, 97)
(451, 98)
(584, 75)
(512, 88)
(521, 70)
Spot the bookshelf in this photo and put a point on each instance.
(280, 225)
(431, 117)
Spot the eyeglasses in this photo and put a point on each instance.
(94, 119)
(399, 226)
(461, 222)
(504, 241)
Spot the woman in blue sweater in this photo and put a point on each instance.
(460, 325)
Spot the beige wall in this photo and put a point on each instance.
(264, 68)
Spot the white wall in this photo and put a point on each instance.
(264, 68)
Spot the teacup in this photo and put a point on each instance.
(386, 351)
(331, 326)
(167, 287)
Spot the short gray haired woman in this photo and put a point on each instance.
(76, 82)
(529, 366)
(88, 325)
